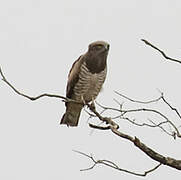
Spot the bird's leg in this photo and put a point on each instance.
(93, 103)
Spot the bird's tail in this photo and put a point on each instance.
(72, 114)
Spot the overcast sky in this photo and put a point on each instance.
(39, 41)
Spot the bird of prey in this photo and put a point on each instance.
(85, 80)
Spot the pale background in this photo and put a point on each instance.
(39, 40)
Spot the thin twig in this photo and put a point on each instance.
(108, 108)
(143, 124)
(153, 125)
(171, 107)
(111, 164)
(26, 96)
(163, 54)
(159, 126)
(137, 101)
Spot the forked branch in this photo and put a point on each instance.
(111, 164)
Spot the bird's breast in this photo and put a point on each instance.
(89, 84)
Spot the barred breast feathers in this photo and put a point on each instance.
(89, 84)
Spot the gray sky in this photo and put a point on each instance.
(39, 41)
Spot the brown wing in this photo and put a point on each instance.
(73, 76)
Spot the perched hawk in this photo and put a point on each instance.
(85, 80)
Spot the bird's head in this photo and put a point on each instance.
(98, 47)
(96, 56)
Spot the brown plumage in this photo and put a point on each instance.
(85, 80)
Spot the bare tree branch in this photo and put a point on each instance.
(156, 112)
(151, 101)
(151, 153)
(171, 107)
(137, 101)
(111, 125)
(128, 111)
(159, 125)
(113, 165)
(26, 96)
(163, 54)
(153, 125)
(174, 134)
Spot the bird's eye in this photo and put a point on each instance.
(98, 46)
